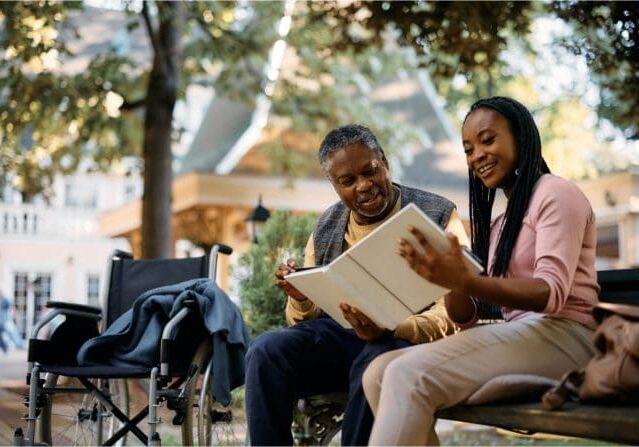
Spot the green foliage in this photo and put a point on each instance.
(54, 117)
(569, 142)
(449, 37)
(284, 237)
(607, 34)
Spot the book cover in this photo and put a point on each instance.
(374, 278)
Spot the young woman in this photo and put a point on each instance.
(540, 258)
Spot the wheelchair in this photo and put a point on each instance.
(69, 404)
(318, 418)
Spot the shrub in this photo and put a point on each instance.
(284, 237)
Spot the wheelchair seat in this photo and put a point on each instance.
(99, 372)
(179, 371)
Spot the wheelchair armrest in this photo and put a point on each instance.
(73, 306)
(168, 334)
(67, 309)
(64, 339)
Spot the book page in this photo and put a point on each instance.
(377, 254)
(369, 296)
(344, 281)
(321, 290)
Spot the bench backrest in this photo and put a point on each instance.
(619, 286)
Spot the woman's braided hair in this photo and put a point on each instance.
(530, 167)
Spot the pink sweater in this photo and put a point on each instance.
(557, 244)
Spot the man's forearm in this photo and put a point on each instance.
(428, 326)
(297, 311)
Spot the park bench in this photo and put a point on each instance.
(321, 415)
(600, 422)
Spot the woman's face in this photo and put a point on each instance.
(490, 149)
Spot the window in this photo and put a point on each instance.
(78, 194)
(31, 292)
(608, 241)
(41, 294)
(20, 291)
(93, 290)
(129, 192)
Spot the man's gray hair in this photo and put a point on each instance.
(345, 136)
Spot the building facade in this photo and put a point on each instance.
(54, 251)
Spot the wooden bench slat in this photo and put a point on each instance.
(606, 423)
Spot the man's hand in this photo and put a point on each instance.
(363, 326)
(281, 283)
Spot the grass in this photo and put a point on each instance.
(494, 436)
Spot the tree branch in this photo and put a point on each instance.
(204, 27)
(128, 106)
(153, 37)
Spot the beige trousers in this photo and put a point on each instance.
(406, 387)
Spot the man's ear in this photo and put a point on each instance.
(385, 161)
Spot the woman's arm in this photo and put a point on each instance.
(461, 308)
(517, 293)
(448, 270)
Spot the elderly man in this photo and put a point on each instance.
(316, 354)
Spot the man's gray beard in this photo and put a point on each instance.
(371, 214)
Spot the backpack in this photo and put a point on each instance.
(612, 376)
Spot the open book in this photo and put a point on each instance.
(374, 278)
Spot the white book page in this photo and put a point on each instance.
(321, 290)
(377, 253)
(369, 295)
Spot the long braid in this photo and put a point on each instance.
(481, 207)
(529, 167)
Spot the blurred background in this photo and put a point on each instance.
(161, 128)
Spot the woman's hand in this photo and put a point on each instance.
(445, 269)
(364, 327)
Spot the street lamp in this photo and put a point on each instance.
(256, 219)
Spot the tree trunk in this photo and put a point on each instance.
(156, 152)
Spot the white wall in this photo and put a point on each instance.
(67, 261)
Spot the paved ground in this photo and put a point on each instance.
(12, 388)
(13, 368)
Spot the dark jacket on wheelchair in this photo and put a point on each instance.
(132, 339)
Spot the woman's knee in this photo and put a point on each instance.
(373, 375)
(402, 371)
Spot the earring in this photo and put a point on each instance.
(517, 171)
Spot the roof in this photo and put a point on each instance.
(231, 132)
(434, 162)
(222, 127)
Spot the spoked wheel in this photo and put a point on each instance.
(206, 422)
(79, 418)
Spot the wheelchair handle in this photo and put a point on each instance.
(121, 254)
(222, 248)
(217, 248)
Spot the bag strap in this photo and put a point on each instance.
(567, 388)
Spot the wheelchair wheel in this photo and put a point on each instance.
(78, 418)
(206, 422)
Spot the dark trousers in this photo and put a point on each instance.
(312, 357)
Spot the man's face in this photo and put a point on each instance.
(361, 179)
